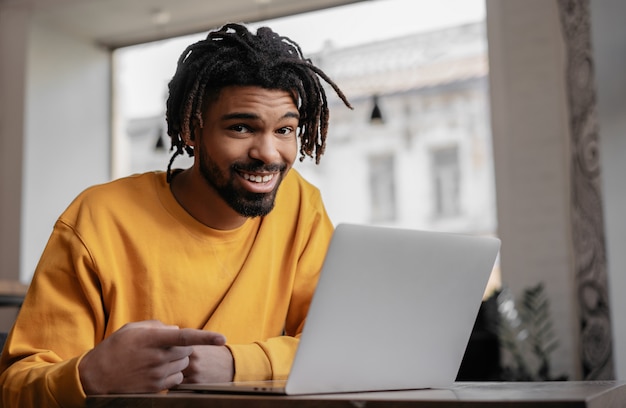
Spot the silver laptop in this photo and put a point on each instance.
(393, 309)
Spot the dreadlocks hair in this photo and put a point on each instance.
(233, 55)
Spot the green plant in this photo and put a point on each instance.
(526, 334)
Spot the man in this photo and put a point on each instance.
(195, 275)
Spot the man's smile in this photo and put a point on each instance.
(259, 182)
(258, 178)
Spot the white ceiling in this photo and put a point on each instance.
(115, 23)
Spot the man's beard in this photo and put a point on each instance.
(239, 199)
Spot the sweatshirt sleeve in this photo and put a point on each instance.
(57, 324)
(271, 359)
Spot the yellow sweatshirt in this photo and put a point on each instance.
(127, 251)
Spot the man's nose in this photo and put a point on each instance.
(265, 148)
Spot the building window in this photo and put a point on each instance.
(446, 182)
(382, 188)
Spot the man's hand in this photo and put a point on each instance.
(144, 356)
(209, 364)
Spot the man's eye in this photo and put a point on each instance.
(239, 128)
(285, 131)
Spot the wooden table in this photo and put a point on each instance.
(606, 394)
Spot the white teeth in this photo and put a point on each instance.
(258, 179)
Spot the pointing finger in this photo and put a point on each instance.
(149, 324)
(186, 337)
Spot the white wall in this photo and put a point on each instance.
(531, 159)
(609, 41)
(13, 40)
(528, 104)
(67, 137)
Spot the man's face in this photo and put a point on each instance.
(246, 146)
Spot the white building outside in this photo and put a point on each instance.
(427, 165)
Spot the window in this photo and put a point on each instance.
(382, 188)
(446, 182)
(371, 173)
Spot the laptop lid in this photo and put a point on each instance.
(393, 309)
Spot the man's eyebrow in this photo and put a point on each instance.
(292, 115)
(245, 115)
(239, 115)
